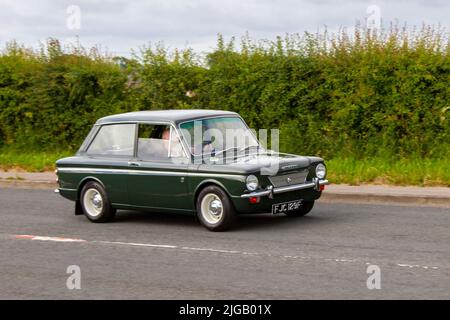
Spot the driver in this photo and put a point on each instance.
(176, 149)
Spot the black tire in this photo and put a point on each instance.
(105, 213)
(304, 209)
(227, 216)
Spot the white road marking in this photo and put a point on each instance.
(212, 250)
(250, 253)
(41, 238)
(342, 260)
(416, 266)
(165, 246)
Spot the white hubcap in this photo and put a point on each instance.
(93, 202)
(211, 208)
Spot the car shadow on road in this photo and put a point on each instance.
(124, 216)
(269, 221)
(243, 222)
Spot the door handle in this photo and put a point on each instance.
(134, 164)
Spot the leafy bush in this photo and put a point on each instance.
(363, 95)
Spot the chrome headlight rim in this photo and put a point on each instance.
(321, 171)
(251, 182)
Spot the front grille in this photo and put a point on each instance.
(289, 179)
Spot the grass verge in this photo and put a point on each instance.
(417, 172)
(30, 160)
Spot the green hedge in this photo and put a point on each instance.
(361, 95)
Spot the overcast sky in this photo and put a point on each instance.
(121, 25)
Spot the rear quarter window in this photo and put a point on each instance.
(114, 139)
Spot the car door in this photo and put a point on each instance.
(107, 159)
(158, 173)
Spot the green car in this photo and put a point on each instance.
(202, 162)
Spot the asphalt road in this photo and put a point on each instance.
(163, 256)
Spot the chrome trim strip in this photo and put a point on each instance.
(151, 208)
(143, 171)
(295, 187)
(66, 189)
(301, 186)
(257, 194)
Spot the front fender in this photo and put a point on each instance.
(233, 186)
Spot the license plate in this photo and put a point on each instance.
(286, 206)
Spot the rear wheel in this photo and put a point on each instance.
(95, 203)
(214, 209)
(304, 209)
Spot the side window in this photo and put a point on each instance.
(114, 139)
(88, 138)
(158, 142)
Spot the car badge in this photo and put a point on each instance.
(288, 167)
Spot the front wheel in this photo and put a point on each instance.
(95, 203)
(214, 209)
(304, 209)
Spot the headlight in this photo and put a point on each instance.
(321, 171)
(252, 182)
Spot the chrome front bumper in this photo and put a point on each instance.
(270, 191)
